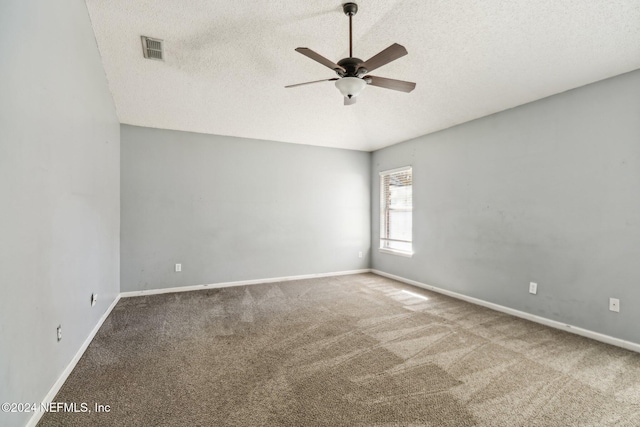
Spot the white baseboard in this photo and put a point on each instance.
(532, 317)
(239, 283)
(65, 374)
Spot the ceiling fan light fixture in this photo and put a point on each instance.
(350, 86)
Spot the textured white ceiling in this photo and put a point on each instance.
(227, 62)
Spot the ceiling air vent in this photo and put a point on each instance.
(152, 48)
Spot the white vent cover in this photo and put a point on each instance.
(152, 48)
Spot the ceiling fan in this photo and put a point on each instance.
(352, 71)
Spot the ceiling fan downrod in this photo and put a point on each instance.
(350, 67)
(350, 9)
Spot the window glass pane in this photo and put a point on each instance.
(400, 196)
(400, 225)
(396, 208)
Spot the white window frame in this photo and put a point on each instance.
(383, 216)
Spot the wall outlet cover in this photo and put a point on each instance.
(59, 332)
(614, 304)
(178, 267)
(533, 288)
(94, 299)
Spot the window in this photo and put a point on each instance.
(396, 211)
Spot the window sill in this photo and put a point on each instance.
(393, 252)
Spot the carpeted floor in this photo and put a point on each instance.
(356, 350)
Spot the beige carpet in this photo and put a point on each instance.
(356, 350)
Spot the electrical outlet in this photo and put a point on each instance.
(178, 268)
(360, 254)
(533, 288)
(59, 332)
(94, 299)
(614, 304)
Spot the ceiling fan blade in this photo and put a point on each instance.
(319, 58)
(393, 84)
(391, 53)
(315, 81)
(350, 101)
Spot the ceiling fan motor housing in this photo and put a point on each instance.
(353, 67)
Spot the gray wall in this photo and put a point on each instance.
(232, 209)
(546, 192)
(59, 189)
